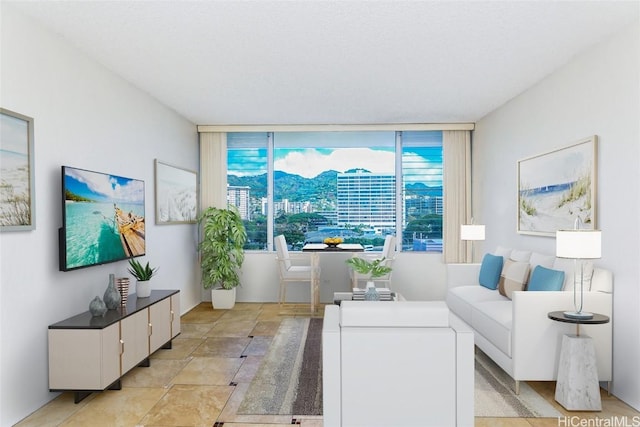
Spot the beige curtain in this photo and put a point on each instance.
(213, 169)
(457, 193)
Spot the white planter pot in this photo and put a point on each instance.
(223, 299)
(143, 288)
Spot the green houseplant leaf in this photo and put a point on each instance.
(375, 268)
(221, 247)
(139, 272)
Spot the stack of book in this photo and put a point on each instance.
(384, 294)
(358, 294)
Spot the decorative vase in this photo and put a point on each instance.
(97, 307)
(143, 288)
(123, 287)
(372, 293)
(111, 295)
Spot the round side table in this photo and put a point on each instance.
(577, 386)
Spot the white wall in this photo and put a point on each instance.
(86, 117)
(417, 276)
(597, 93)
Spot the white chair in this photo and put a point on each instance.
(293, 268)
(389, 255)
(401, 364)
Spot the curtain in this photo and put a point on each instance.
(213, 169)
(456, 147)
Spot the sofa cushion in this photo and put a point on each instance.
(546, 279)
(490, 270)
(493, 320)
(546, 261)
(503, 252)
(514, 277)
(518, 255)
(570, 277)
(462, 298)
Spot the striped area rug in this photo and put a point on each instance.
(289, 380)
(494, 395)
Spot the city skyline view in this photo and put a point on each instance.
(348, 178)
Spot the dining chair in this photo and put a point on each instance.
(389, 255)
(293, 268)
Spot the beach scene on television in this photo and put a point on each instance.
(104, 217)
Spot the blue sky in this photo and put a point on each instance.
(310, 153)
(104, 187)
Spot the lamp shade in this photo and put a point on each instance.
(579, 244)
(472, 232)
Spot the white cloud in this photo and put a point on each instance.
(311, 163)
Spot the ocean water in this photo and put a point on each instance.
(92, 237)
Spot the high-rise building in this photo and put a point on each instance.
(366, 198)
(239, 197)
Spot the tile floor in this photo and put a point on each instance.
(191, 384)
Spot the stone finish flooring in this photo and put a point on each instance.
(202, 380)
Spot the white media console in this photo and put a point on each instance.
(88, 354)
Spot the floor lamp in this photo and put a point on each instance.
(472, 232)
(578, 245)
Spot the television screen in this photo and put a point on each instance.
(102, 218)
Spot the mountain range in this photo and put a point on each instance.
(297, 188)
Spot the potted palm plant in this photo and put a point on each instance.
(221, 253)
(143, 275)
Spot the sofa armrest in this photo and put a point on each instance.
(462, 274)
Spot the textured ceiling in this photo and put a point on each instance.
(332, 62)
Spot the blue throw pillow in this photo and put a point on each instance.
(490, 271)
(546, 279)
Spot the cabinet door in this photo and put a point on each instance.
(175, 315)
(84, 359)
(134, 339)
(159, 324)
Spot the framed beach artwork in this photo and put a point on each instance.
(17, 193)
(557, 188)
(176, 194)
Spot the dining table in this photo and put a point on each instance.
(315, 249)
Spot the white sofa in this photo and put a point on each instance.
(517, 333)
(396, 364)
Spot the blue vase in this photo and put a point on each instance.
(111, 295)
(371, 294)
(97, 307)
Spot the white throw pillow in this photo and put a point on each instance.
(522, 256)
(503, 252)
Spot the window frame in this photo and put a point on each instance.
(398, 128)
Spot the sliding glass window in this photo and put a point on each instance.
(312, 185)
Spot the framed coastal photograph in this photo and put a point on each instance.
(17, 192)
(557, 188)
(176, 194)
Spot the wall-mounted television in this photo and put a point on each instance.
(102, 218)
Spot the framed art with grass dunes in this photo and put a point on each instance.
(17, 194)
(176, 194)
(557, 188)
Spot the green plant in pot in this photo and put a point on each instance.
(221, 253)
(143, 275)
(375, 268)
